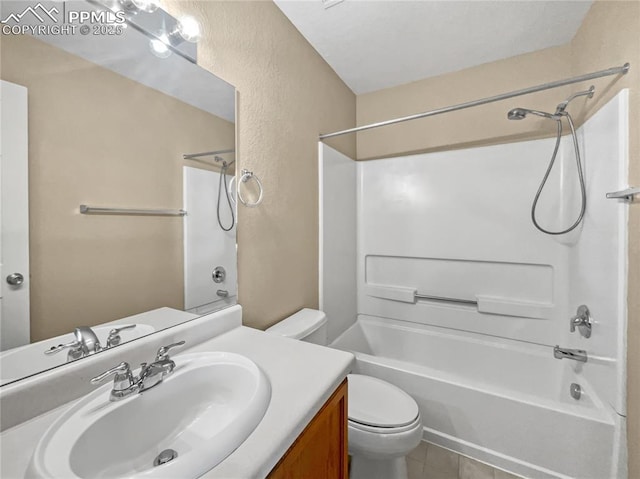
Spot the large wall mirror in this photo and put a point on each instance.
(106, 226)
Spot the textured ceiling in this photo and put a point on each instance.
(380, 44)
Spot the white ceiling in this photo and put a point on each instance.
(379, 44)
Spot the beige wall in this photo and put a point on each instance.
(476, 126)
(609, 36)
(287, 96)
(98, 138)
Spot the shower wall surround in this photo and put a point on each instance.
(206, 245)
(338, 233)
(457, 224)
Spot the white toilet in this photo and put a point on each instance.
(384, 421)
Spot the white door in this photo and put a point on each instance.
(14, 217)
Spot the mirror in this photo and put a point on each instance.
(95, 187)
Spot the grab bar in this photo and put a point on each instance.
(87, 210)
(445, 300)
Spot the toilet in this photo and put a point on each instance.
(384, 421)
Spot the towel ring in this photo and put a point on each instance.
(245, 176)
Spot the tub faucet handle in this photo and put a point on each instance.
(582, 320)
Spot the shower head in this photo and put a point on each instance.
(521, 114)
(219, 159)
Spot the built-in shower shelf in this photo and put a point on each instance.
(627, 194)
(484, 304)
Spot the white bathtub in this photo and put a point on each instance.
(503, 402)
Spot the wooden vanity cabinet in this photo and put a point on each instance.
(320, 452)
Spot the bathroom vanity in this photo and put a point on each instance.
(303, 427)
(321, 449)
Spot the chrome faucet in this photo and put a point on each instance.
(85, 343)
(126, 384)
(582, 320)
(163, 366)
(114, 335)
(566, 353)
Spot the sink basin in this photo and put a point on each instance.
(30, 359)
(203, 411)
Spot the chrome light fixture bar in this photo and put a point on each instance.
(166, 34)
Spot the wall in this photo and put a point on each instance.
(287, 96)
(608, 37)
(84, 149)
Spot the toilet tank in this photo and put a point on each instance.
(308, 325)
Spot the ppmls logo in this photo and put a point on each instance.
(39, 12)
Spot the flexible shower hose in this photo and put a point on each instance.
(546, 176)
(226, 194)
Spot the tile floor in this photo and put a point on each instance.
(428, 461)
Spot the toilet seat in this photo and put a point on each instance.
(378, 406)
(384, 430)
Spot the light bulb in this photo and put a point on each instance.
(159, 48)
(135, 6)
(148, 6)
(189, 29)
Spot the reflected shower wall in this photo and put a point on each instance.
(207, 247)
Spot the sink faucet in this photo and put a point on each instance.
(85, 342)
(124, 382)
(163, 366)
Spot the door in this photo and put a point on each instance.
(14, 217)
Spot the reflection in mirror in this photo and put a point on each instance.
(100, 121)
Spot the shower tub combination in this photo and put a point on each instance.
(487, 399)
(459, 299)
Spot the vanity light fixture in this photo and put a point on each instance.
(159, 48)
(167, 34)
(187, 29)
(135, 6)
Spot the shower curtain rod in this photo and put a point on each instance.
(461, 106)
(207, 153)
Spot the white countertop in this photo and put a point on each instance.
(302, 376)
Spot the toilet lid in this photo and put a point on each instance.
(377, 403)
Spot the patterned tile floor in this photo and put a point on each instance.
(428, 461)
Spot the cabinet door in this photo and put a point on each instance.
(320, 452)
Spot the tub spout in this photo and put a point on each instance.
(565, 353)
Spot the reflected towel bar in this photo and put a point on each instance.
(445, 300)
(87, 210)
(627, 194)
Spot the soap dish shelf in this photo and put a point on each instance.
(626, 195)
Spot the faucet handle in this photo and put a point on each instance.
(573, 322)
(582, 320)
(122, 372)
(163, 352)
(114, 335)
(60, 347)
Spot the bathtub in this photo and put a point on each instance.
(503, 402)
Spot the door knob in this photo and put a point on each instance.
(15, 279)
